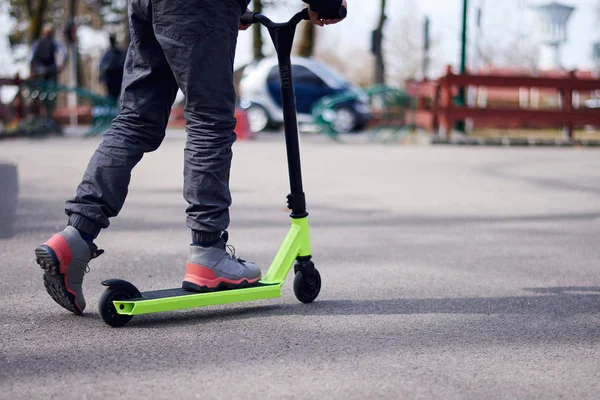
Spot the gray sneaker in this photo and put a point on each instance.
(213, 268)
(64, 258)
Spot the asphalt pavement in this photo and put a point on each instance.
(448, 273)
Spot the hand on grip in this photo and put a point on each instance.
(247, 18)
(323, 18)
(338, 15)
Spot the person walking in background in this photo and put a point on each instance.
(111, 69)
(44, 64)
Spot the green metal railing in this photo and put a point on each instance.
(390, 110)
(35, 94)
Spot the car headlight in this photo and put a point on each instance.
(245, 104)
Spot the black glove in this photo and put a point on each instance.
(327, 9)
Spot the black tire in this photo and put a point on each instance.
(108, 313)
(259, 119)
(307, 285)
(348, 120)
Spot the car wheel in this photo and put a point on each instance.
(345, 120)
(258, 118)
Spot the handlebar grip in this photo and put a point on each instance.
(341, 13)
(304, 14)
(247, 18)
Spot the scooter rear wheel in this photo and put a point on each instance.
(107, 309)
(307, 285)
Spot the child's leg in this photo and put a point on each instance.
(199, 43)
(149, 90)
(199, 39)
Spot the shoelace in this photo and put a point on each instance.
(225, 238)
(232, 255)
(95, 253)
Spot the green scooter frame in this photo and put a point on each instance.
(122, 300)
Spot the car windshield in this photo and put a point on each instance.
(331, 75)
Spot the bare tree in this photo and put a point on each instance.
(306, 46)
(360, 71)
(257, 40)
(401, 45)
(404, 43)
(308, 39)
(515, 49)
(257, 30)
(31, 11)
(378, 45)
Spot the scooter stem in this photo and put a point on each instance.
(282, 35)
(283, 38)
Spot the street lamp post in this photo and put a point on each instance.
(460, 126)
(463, 51)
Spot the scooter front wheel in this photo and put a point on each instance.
(107, 309)
(307, 285)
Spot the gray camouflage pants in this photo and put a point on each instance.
(188, 44)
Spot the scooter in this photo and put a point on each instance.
(122, 300)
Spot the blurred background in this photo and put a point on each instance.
(388, 67)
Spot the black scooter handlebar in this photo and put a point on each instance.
(340, 14)
(250, 18)
(282, 35)
(247, 18)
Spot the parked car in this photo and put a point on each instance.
(260, 94)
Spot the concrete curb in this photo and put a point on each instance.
(515, 142)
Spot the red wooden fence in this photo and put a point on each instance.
(437, 110)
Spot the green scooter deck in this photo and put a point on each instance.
(177, 299)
